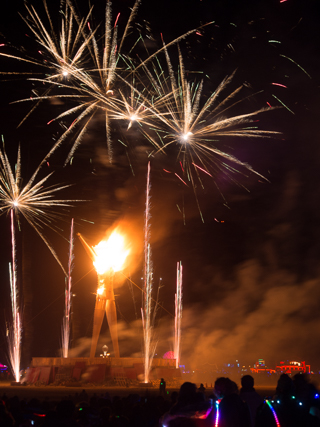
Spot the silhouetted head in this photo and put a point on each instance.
(187, 393)
(247, 383)
(285, 385)
(224, 386)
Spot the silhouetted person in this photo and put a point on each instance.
(162, 388)
(202, 388)
(307, 393)
(250, 396)
(285, 408)
(190, 409)
(233, 412)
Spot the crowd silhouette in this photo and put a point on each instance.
(295, 403)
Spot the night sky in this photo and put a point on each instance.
(251, 267)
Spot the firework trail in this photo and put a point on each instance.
(14, 335)
(68, 295)
(146, 311)
(34, 203)
(178, 315)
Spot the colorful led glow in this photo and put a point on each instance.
(205, 415)
(273, 413)
(216, 421)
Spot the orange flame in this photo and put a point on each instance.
(110, 254)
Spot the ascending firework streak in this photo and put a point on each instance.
(146, 311)
(14, 333)
(35, 204)
(67, 299)
(178, 315)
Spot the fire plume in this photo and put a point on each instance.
(110, 254)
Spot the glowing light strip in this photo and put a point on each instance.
(205, 415)
(216, 422)
(274, 413)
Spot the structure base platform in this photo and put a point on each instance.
(121, 371)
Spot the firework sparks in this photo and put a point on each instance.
(95, 89)
(62, 55)
(194, 128)
(33, 201)
(170, 110)
(67, 55)
(146, 311)
(15, 333)
(68, 295)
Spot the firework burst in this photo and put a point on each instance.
(91, 71)
(94, 88)
(173, 113)
(33, 201)
(193, 126)
(61, 55)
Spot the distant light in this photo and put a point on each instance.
(300, 403)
